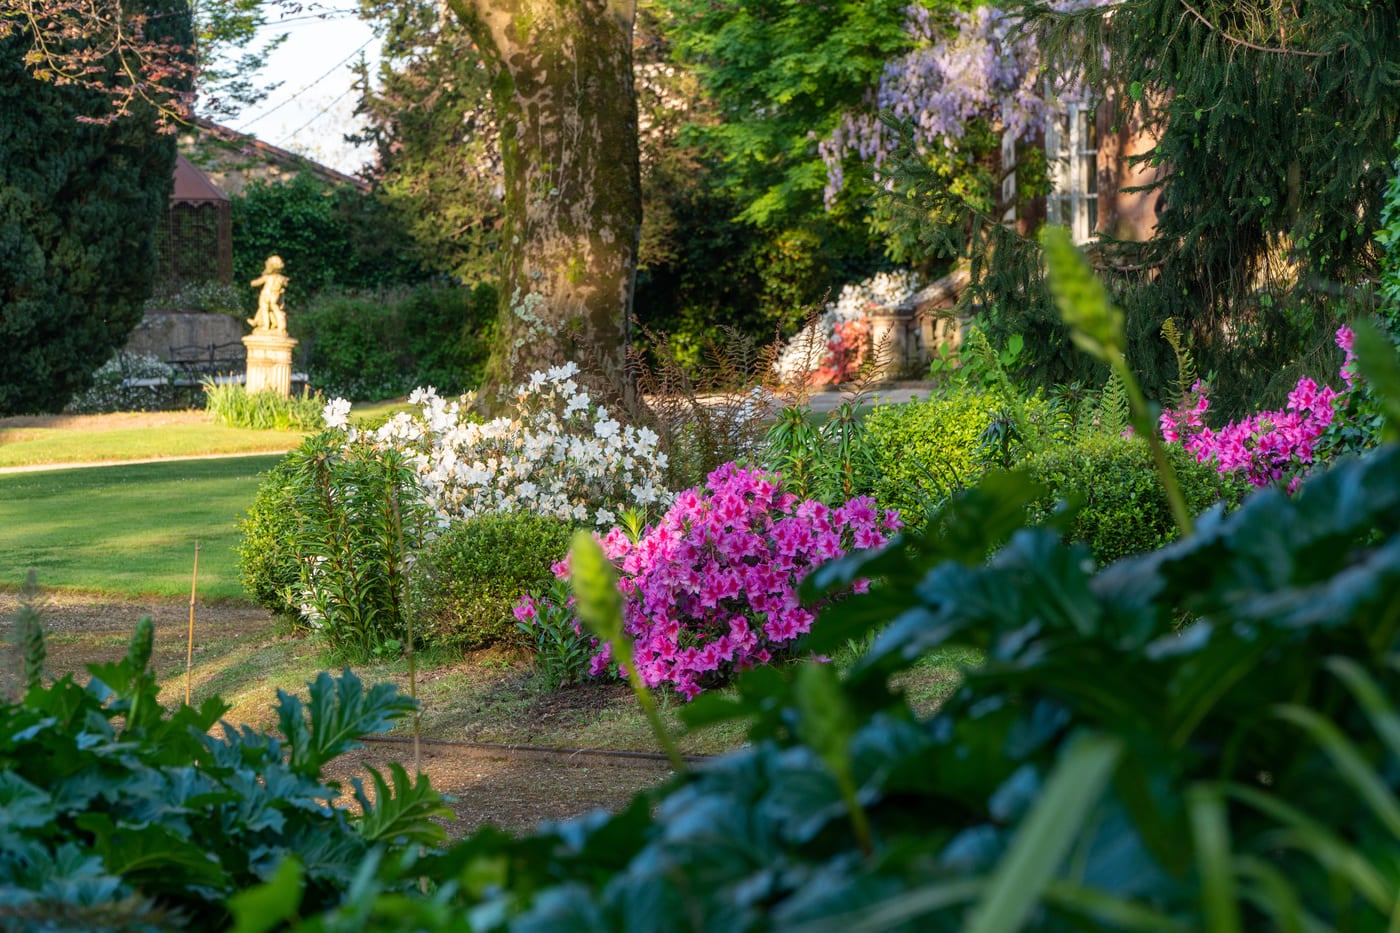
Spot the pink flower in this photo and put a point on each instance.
(712, 587)
(1269, 446)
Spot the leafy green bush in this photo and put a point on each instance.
(1124, 509)
(385, 344)
(467, 580)
(563, 649)
(330, 236)
(269, 558)
(119, 814)
(234, 406)
(924, 451)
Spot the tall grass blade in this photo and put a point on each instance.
(1205, 806)
(1046, 834)
(1301, 832)
(1351, 765)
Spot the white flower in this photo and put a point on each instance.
(336, 413)
(558, 374)
(606, 429)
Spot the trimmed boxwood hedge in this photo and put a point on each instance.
(469, 578)
(1124, 507)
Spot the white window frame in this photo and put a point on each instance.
(1071, 144)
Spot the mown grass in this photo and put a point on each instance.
(59, 445)
(128, 530)
(372, 413)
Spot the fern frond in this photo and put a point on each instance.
(1185, 365)
(1114, 417)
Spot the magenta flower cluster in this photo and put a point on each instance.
(712, 587)
(1268, 447)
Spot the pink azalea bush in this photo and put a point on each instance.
(1269, 446)
(845, 352)
(712, 587)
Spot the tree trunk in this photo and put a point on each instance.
(567, 108)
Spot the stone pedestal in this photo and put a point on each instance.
(895, 339)
(269, 363)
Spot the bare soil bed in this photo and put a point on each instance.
(513, 791)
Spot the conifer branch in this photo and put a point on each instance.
(1250, 45)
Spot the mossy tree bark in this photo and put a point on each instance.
(563, 93)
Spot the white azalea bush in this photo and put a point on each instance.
(558, 453)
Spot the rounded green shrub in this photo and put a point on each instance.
(1124, 508)
(268, 563)
(470, 577)
(921, 452)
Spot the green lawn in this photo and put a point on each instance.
(378, 412)
(37, 446)
(128, 530)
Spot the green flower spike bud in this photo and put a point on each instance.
(1096, 326)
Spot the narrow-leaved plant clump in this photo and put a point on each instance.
(358, 517)
(234, 406)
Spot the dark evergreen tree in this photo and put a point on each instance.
(79, 204)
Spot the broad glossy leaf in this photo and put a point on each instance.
(339, 712)
(22, 804)
(152, 856)
(270, 904)
(1376, 358)
(404, 813)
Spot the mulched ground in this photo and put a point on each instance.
(514, 791)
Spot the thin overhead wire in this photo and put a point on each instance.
(266, 113)
(324, 110)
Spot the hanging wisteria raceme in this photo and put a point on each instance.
(964, 66)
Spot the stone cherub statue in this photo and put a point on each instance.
(270, 318)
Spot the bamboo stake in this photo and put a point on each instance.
(189, 649)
